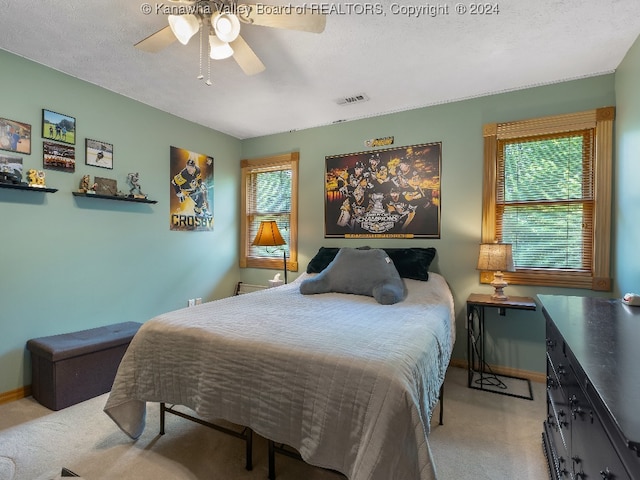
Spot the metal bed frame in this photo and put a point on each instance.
(245, 434)
(290, 452)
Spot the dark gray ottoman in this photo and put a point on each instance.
(73, 367)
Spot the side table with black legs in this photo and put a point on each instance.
(480, 375)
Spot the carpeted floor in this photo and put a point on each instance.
(484, 437)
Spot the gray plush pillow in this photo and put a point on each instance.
(360, 272)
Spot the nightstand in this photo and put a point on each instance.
(480, 375)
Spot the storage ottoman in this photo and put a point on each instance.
(73, 367)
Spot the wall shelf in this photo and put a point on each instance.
(27, 187)
(113, 197)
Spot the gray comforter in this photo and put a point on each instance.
(348, 382)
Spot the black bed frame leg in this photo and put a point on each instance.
(441, 402)
(162, 409)
(249, 449)
(272, 460)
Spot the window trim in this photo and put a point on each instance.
(247, 166)
(601, 120)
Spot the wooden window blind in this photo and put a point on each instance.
(547, 191)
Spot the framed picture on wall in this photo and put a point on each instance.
(15, 136)
(98, 154)
(390, 193)
(10, 169)
(58, 127)
(106, 186)
(57, 156)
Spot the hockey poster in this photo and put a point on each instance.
(191, 191)
(391, 193)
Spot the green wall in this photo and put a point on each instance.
(72, 263)
(626, 220)
(516, 340)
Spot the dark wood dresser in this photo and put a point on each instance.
(592, 430)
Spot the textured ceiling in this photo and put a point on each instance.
(399, 61)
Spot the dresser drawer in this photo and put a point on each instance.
(555, 345)
(592, 453)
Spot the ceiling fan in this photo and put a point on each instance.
(220, 21)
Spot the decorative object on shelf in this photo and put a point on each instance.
(98, 154)
(15, 136)
(86, 186)
(58, 127)
(191, 184)
(133, 179)
(11, 170)
(379, 142)
(105, 186)
(36, 178)
(389, 193)
(497, 258)
(269, 236)
(57, 156)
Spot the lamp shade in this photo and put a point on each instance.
(226, 26)
(496, 257)
(268, 235)
(219, 50)
(184, 27)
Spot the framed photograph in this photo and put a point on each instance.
(15, 136)
(391, 193)
(99, 154)
(10, 169)
(106, 186)
(58, 127)
(59, 157)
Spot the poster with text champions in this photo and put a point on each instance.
(191, 185)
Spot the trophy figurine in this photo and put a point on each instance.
(133, 179)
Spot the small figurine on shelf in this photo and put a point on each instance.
(36, 178)
(86, 186)
(134, 181)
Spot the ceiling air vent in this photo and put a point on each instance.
(359, 98)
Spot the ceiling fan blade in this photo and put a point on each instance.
(246, 57)
(157, 41)
(283, 17)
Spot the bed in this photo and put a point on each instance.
(348, 382)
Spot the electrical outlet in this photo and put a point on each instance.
(191, 302)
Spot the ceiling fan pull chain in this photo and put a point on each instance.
(208, 82)
(200, 76)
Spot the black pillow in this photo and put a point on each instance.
(410, 262)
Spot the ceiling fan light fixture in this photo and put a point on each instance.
(184, 27)
(226, 26)
(219, 50)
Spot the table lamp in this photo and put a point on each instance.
(269, 236)
(498, 258)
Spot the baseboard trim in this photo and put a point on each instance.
(538, 377)
(16, 394)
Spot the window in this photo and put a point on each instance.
(270, 192)
(547, 191)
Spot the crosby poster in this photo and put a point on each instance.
(191, 186)
(391, 193)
